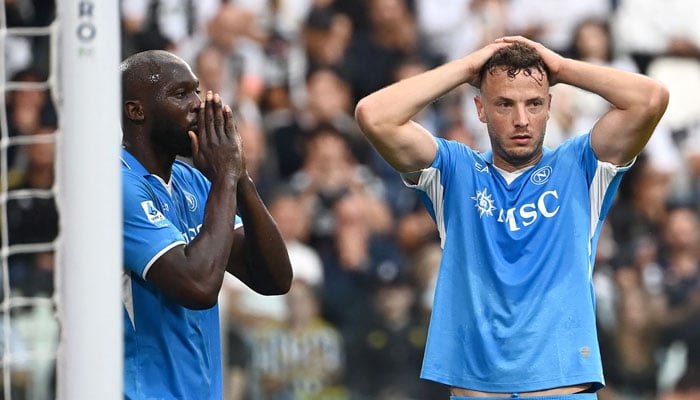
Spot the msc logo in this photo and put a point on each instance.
(520, 216)
(152, 213)
(541, 175)
(483, 203)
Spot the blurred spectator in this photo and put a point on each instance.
(303, 358)
(680, 258)
(327, 34)
(640, 208)
(163, 24)
(458, 27)
(643, 29)
(350, 221)
(29, 110)
(630, 349)
(246, 312)
(391, 36)
(576, 110)
(386, 350)
(28, 51)
(688, 388)
(33, 218)
(329, 101)
(553, 22)
(252, 310)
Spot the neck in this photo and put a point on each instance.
(157, 162)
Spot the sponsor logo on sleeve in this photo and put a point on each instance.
(152, 213)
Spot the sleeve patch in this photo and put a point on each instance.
(152, 213)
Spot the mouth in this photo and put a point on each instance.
(521, 139)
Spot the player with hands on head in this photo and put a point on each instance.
(514, 309)
(184, 228)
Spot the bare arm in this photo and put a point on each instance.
(638, 103)
(192, 274)
(385, 116)
(259, 256)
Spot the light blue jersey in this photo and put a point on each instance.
(514, 306)
(170, 352)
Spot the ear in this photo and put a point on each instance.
(479, 108)
(133, 110)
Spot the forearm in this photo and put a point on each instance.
(624, 90)
(192, 274)
(385, 116)
(396, 104)
(638, 105)
(267, 267)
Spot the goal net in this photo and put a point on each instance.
(60, 200)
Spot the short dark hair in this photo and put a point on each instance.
(516, 58)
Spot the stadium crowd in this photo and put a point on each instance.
(363, 248)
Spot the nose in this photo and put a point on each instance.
(520, 117)
(195, 102)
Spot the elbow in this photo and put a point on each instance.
(275, 282)
(282, 282)
(658, 98)
(199, 298)
(365, 115)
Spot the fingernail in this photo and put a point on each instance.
(209, 95)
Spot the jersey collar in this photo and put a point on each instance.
(133, 164)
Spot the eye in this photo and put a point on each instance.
(536, 105)
(504, 106)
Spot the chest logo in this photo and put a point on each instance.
(191, 201)
(541, 175)
(484, 203)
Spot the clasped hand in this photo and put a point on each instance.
(217, 148)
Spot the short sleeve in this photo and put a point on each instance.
(147, 233)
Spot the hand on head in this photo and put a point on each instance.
(550, 58)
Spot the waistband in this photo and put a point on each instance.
(575, 396)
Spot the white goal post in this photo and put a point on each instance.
(90, 253)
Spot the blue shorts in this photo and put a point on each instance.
(577, 396)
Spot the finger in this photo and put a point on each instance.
(219, 133)
(195, 143)
(229, 123)
(201, 122)
(209, 120)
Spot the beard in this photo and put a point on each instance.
(517, 156)
(174, 141)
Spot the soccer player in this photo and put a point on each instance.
(514, 309)
(184, 228)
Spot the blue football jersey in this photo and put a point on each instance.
(171, 352)
(514, 307)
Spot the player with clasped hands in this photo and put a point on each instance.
(184, 228)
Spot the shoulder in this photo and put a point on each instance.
(451, 151)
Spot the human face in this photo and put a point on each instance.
(515, 111)
(173, 107)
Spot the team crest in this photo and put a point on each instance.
(484, 203)
(541, 175)
(191, 201)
